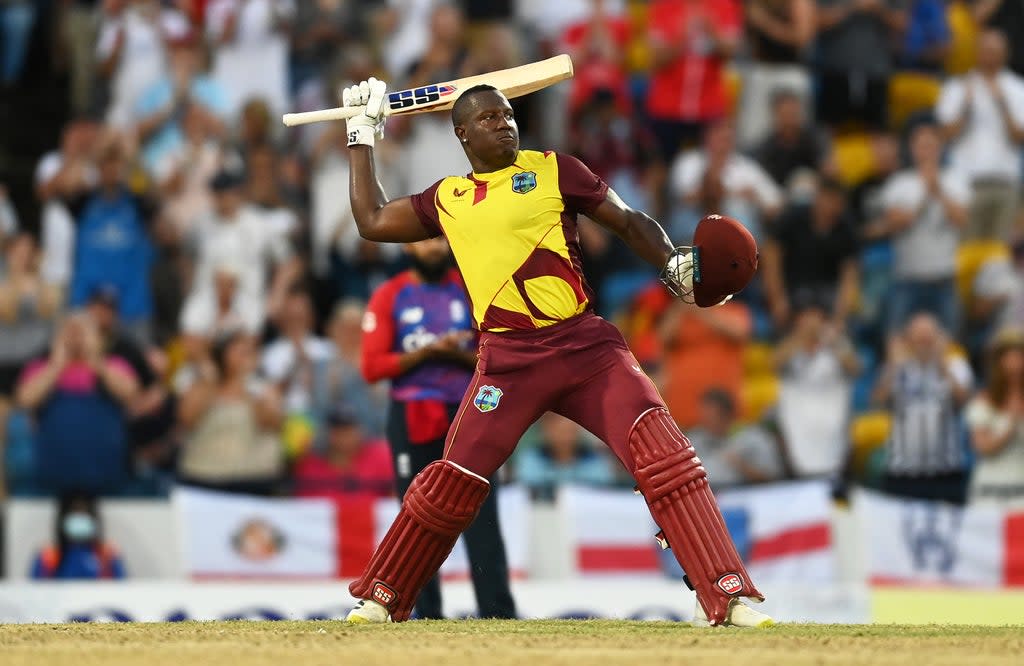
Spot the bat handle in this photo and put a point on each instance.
(306, 117)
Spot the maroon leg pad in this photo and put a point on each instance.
(673, 481)
(441, 502)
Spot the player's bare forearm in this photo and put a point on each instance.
(638, 231)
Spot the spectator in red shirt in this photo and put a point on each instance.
(352, 464)
(690, 40)
(598, 48)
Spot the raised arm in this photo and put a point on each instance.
(637, 230)
(377, 218)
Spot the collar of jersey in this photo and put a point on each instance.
(491, 175)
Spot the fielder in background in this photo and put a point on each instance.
(418, 333)
(511, 224)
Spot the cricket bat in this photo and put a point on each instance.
(514, 82)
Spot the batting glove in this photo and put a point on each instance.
(365, 126)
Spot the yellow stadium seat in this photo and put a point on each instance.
(855, 158)
(910, 92)
(970, 257)
(868, 432)
(963, 38)
(757, 395)
(757, 360)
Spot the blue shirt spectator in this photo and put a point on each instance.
(112, 245)
(927, 37)
(561, 458)
(78, 396)
(79, 551)
(162, 107)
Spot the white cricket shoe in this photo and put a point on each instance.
(739, 615)
(368, 612)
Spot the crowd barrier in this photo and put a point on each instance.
(789, 533)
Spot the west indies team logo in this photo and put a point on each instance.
(524, 182)
(487, 398)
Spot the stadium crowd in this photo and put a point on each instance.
(183, 284)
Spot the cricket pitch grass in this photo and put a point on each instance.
(500, 643)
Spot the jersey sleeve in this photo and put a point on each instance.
(581, 188)
(379, 361)
(426, 209)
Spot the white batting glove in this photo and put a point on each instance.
(370, 95)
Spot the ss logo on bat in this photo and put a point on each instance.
(403, 99)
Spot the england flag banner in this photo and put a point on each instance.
(927, 543)
(227, 536)
(782, 531)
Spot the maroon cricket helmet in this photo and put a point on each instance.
(725, 259)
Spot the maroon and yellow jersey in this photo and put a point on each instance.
(513, 233)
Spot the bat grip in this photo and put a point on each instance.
(306, 117)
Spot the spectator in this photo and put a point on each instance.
(232, 422)
(718, 179)
(691, 40)
(404, 27)
(251, 55)
(112, 244)
(211, 313)
(163, 107)
(28, 306)
(79, 551)
(8, 217)
(351, 466)
(318, 31)
(339, 381)
(854, 59)
(79, 29)
(562, 457)
(927, 37)
(597, 46)
(234, 234)
(817, 364)
(995, 419)
(779, 33)
(703, 349)
(16, 20)
(997, 294)
(80, 397)
(925, 389)
(131, 53)
(733, 455)
(792, 146)
(982, 114)
(59, 174)
(813, 250)
(925, 209)
(264, 194)
(1007, 16)
(184, 172)
(290, 360)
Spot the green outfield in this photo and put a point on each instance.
(500, 643)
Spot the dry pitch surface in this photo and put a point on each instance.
(500, 643)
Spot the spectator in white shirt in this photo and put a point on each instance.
(924, 210)
(290, 360)
(996, 421)
(131, 52)
(251, 58)
(817, 363)
(210, 313)
(717, 178)
(982, 112)
(59, 173)
(234, 234)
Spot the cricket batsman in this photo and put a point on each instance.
(511, 225)
(417, 332)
